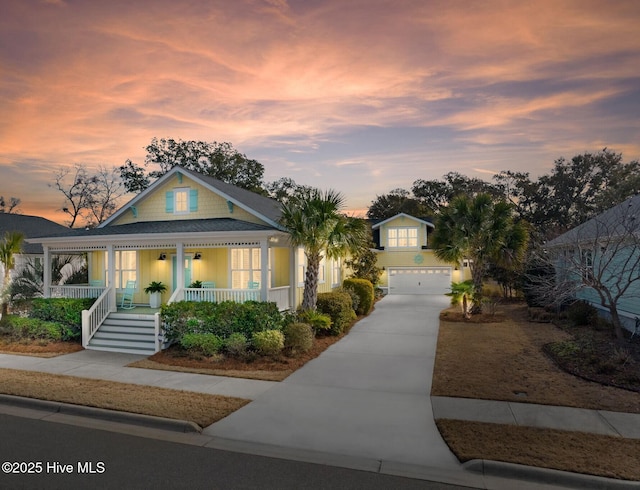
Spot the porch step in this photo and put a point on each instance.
(121, 332)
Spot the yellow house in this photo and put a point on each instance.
(204, 239)
(409, 265)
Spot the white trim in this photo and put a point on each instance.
(403, 215)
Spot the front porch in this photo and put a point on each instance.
(137, 328)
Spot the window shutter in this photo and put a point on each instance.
(169, 202)
(193, 200)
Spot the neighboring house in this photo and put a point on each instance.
(599, 262)
(185, 227)
(408, 265)
(30, 227)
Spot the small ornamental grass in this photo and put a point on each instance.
(298, 337)
(268, 342)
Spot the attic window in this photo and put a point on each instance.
(182, 200)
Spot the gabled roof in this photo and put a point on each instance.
(262, 207)
(620, 220)
(30, 227)
(424, 221)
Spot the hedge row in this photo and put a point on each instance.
(221, 319)
(51, 318)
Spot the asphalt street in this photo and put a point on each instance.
(46, 455)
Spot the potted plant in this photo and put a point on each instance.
(155, 290)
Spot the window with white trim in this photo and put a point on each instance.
(322, 268)
(301, 267)
(126, 267)
(245, 268)
(336, 271)
(586, 262)
(181, 201)
(402, 237)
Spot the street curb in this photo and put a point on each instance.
(161, 423)
(547, 475)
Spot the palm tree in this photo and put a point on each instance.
(315, 222)
(462, 294)
(10, 245)
(483, 232)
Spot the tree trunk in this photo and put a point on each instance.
(310, 295)
(477, 275)
(617, 323)
(5, 292)
(465, 306)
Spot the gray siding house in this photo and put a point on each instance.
(599, 262)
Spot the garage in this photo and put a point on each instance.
(419, 280)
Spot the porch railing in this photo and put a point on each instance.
(218, 295)
(75, 291)
(94, 316)
(280, 296)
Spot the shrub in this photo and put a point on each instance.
(206, 343)
(34, 328)
(178, 317)
(537, 314)
(62, 310)
(355, 299)
(236, 345)
(564, 349)
(582, 313)
(298, 337)
(319, 321)
(268, 342)
(338, 306)
(364, 289)
(221, 319)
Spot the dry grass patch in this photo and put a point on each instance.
(200, 408)
(504, 361)
(568, 451)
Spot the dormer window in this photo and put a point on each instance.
(402, 237)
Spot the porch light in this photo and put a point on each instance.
(163, 256)
(197, 256)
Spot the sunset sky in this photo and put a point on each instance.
(362, 96)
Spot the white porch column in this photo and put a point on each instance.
(47, 271)
(111, 276)
(179, 265)
(293, 280)
(264, 269)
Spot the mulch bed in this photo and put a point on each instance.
(39, 349)
(261, 367)
(595, 354)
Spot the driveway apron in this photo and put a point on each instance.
(366, 396)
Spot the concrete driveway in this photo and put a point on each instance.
(367, 396)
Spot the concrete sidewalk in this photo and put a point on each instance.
(364, 403)
(111, 366)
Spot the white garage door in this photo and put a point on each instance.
(419, 280)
